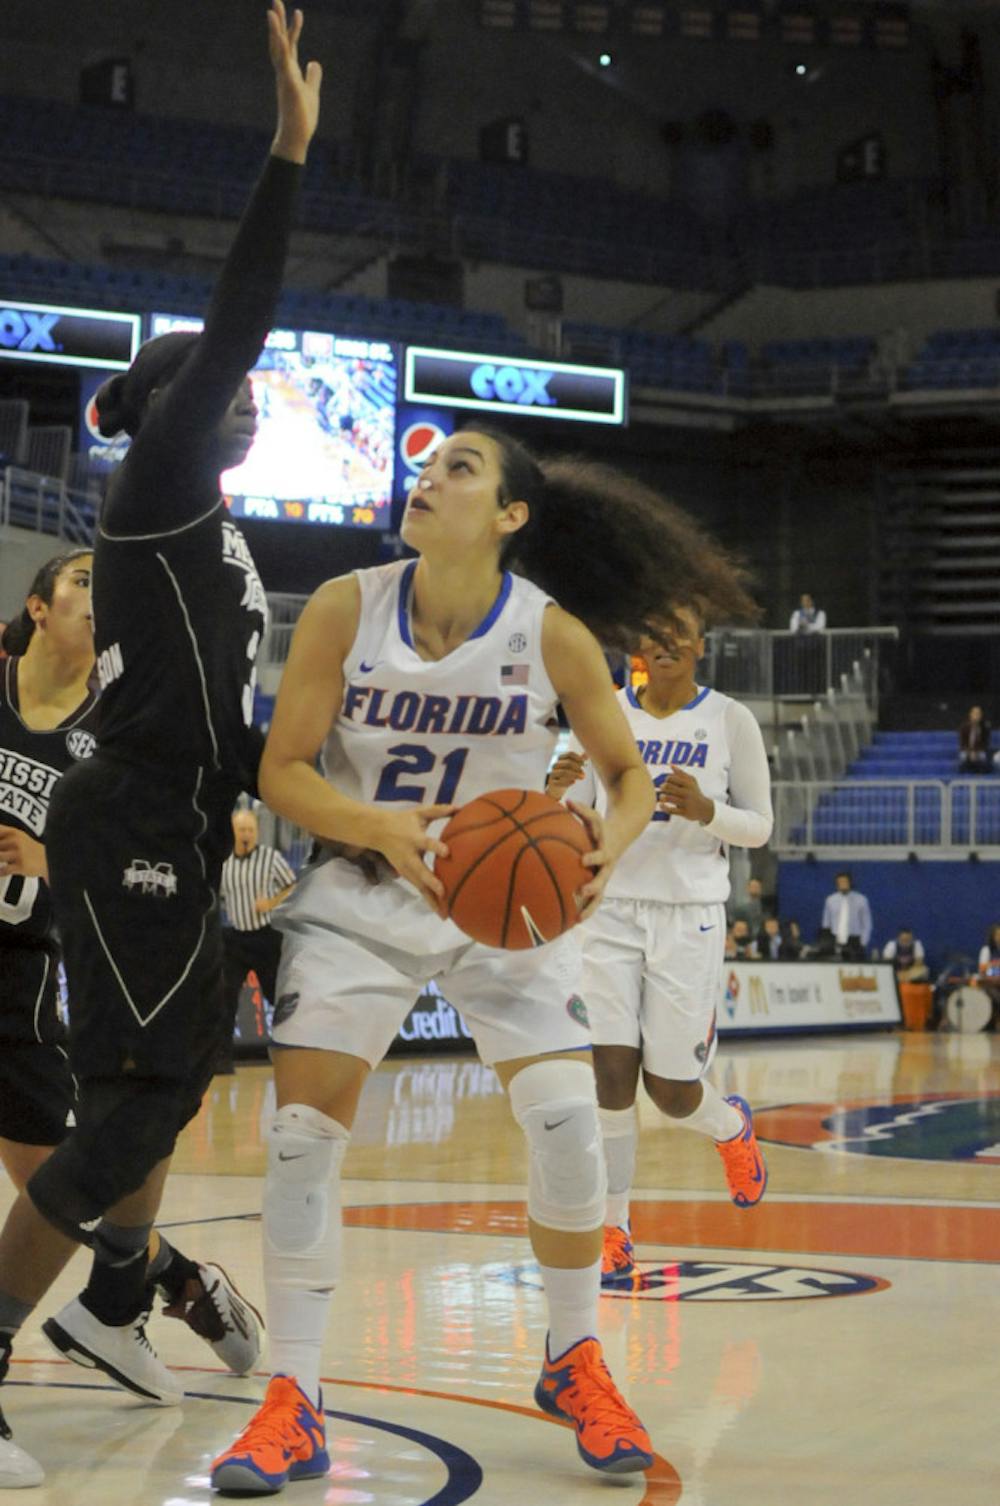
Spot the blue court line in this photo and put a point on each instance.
(465, 1476)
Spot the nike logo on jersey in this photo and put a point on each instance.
(557, 1123)
(298, 1156)
(366, 669)
(706, 928)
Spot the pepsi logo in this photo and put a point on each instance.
(90, 419)
(417, 444)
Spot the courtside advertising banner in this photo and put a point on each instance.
(778, 996)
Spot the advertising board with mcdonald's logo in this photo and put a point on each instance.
(783, 997)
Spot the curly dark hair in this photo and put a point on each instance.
(613, 551)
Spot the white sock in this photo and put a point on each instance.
(572, 1297)
(713, 1116)
(620, 1128)
(300, 1270)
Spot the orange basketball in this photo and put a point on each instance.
(513, 868)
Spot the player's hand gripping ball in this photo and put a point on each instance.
(513, 868)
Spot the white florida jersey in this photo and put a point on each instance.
(438, 732)
(718, 741)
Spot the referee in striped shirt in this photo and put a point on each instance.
(255, 878)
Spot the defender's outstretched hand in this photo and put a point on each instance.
(298, 92)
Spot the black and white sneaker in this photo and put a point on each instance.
(218, 1313)
(124, 1354)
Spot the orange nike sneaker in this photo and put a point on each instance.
(746, 1171)
(284, 1440)
(578, 1388)
(617, 1264)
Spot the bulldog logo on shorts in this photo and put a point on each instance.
(158, 879)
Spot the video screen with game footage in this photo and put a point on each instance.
(325, 446)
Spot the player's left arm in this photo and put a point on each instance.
(581, 679)
(748, 819)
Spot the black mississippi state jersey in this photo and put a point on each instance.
(178, 620)
(30, 764)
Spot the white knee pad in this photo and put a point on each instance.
(555, 1103)
(302, 1226)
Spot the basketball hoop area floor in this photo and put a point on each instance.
(836, 1346)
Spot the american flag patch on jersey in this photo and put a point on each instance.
(514, 674)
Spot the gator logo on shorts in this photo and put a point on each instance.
(285, 1008)
(158, 879)
(577, 1009)
(704, 1047)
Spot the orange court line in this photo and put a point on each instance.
(892, 1231)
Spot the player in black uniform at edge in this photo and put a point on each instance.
(48, 719)
(137, 834)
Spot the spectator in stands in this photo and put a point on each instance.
(751, 909)
(769, 939)
(807, 617)
(792, 948)
(906, 953)
(974, 743)
(744, 946)
(846, 913)
(3, 629)
(989, 953)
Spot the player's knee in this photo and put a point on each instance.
(123, 1132)
(555, 1103)
(674, 1098)
(305, 1151)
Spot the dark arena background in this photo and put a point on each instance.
(748, 251)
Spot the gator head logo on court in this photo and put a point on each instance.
(157, 879)
(929, 1127)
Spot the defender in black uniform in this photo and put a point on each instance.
(137, 835)
(47, 724)
(48, 704)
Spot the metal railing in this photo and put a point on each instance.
(830, 816)
(781, 665)
(45, 505)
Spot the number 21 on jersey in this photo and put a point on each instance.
(413, 760)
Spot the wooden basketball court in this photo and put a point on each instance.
(836, 1346)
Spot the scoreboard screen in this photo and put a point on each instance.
(325, 446)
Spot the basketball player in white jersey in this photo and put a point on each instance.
(424, 684)
(653, 954)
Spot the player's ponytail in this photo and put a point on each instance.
(121, 400)
(19, 631)
(612, 551)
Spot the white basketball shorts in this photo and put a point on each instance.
(339, 990)
(653, 978)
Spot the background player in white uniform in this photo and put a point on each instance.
(653, 954)
(435, 681)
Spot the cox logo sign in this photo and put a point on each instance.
(20, 329)
(525, 385)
